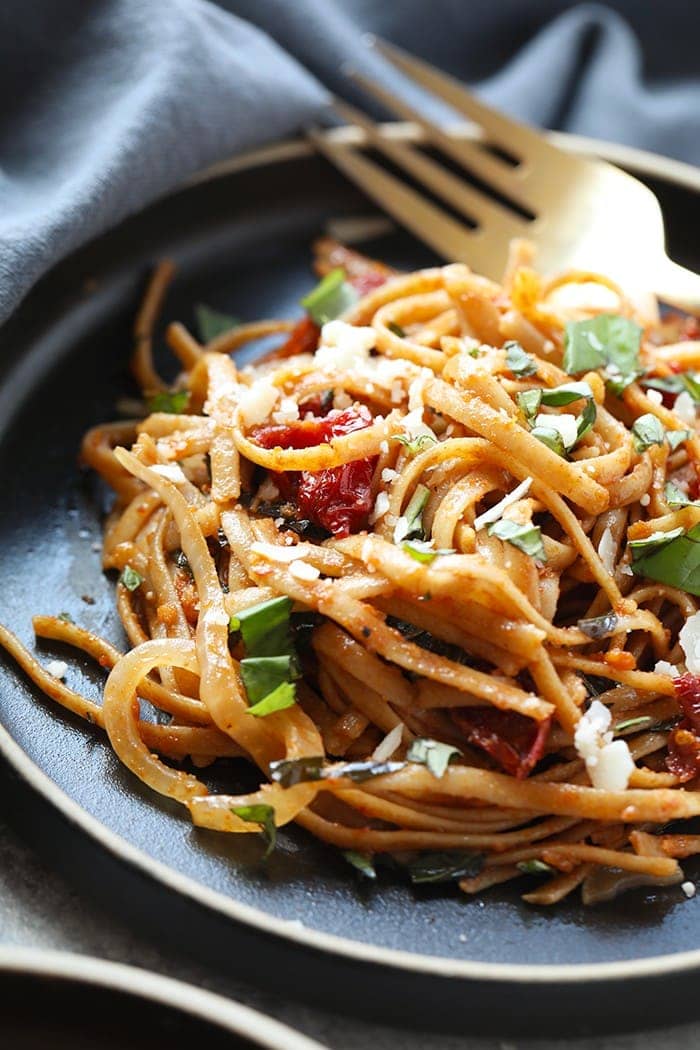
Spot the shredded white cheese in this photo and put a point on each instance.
(688, 889)
(564, 423)
(287, 412)
(389, 475)
(489, 516)
(401, 530)
(689, 638)
(684, 407)
(344, 346)
(656, 397)
(381, 506)
(171, 471)
(386, 747)
(258, 401)
(608, 762)
(414, 427)
(607, 549)
(302, 570)
(57, 668)
(664, 667)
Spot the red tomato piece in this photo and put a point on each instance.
(517, 743)
(366, 282)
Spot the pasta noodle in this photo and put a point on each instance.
(429, 565)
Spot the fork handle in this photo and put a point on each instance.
(678, 286)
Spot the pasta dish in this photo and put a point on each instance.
(431, 564)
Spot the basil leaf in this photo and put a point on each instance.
(263, 674)
(264, 816)
(587, 418)
(417, 444)
(291, 771)
(445, 867)
(647, 431)
(676, 497)
(330, 298)
(597, 627)
(558, 396)
(527, 538)
(667, 384)
(172, 402)
(396, 329)
(359, 771)
(265, 628)
(519, 362)
(131, 578)
(677, 437)
(361, 861)
(65, 617)
(414, 513)
(642, 547)
(433, 754)
(213, 323)
(529, 402)
(675, 562)
(606, 340)
(551, 438)
(535, 867)
(691, 382)
(629, 723)
(278, 700)
(420, 550)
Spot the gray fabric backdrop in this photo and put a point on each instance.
(106, 104)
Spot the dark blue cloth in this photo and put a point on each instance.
(106, 104)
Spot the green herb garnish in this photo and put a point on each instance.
(278, 700)
(677, 437)
(270, 663)
(420, 550)
(672, 558)
(630, 723)
(362, 862)
(597, 627)
(131, 578)
(676, 497)
(607, 341)
(445, 867)
(535, 867)
(264, 816)
(520, 363)
(527, 538)
(396, 329)
(647, 431)
(415, 445)
(413, 515)
(213, 323)
(330, 298)
(291, 771)
(172, 402)
(551, 438)
(433, 754)
(263, 674)
(65, 617)
(265, 628)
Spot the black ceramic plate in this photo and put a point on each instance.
(74, 1002)
(241, 242)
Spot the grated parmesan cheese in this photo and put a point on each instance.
(381, 506)
(688, 889)
(344, 346)
(171, 471)
(645, 500)
(489, 516)
(287, 412)
(689, 638)
(684, 407)
(607, 549)
(608, 762)
(656, 397)
(416, 391)
(414, 427)
(389, 475)
(302, 570)
(274, 552)
(386, 747)
(57, 668)
(258, 401)
(564, 422)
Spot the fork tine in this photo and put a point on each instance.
(510, 134)
(472, 203)
(468, 154)
(429, 223)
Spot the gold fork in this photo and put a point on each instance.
(580, 213)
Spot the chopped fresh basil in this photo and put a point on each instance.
(396, 329)
(263, 674)
(529, 402)
(66, 617)
(596, 685)
(535, 867)
(172, 402)
(359, 771)
(417, 444)
(647, 431)
(213, 323)
(519, 362)
(551, 438)
(566, 394)
(362, 862)
(262, 815)
(527, 538)
(414, 513)
(420, 550)
(278, 700)
(676, 438)
(597, 627)
(131, 578)
(673, 560)
(433, 754)
(330, 298)
(291, 771)
(445, 867)
(607, 341)
(476, 351)
(630, 723)
(265, 628)
(691, 382)
(676, 497)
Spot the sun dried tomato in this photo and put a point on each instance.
(338, 499)
(517, 743)
(683, 756)
(303, 339)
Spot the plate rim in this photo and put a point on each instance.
(228, 1014)
(493, 973)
